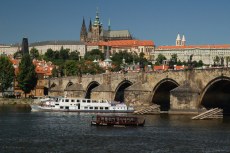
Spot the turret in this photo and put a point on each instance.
(183, 41)
(178, 40)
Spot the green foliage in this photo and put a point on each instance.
(71, 68)
(17, 54)
(6, 73)
(64, 54)
(55, 72)
(160, 58)
(34, 53)
(27, 77)
(94, 54)
(74, 55)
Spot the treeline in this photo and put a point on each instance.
(71, 63)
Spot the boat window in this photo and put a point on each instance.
(106, 107)
(62, 100)
(96, 108)
(67, 100)
(90, 107)
(83, 101)
(85, 107)
(78, 100)
(56, 104)
(101, 107)
(88, 101)
(61, 107)
(94, 101)
(67, 107)
(72, 100)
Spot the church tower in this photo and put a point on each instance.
(183, 41)
(83, 34)
(96, 28)
(178, 40)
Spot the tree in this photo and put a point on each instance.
(27, 77)
(74, 55)
(49, 54)
(71, 68)
(17, 54)
(160, 58)
(94, 54)
(64, 53)
(173, 61)
(216, 60)
(227, 60)
(34, 53)
(6, 73)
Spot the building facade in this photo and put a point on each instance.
(206, 53)
(57, 45)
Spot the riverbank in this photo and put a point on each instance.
(14, 101)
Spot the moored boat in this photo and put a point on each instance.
(117, 121)
(82, 105)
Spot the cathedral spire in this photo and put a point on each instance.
(90, 26)
(97, 19)
(83, 34)
(109, 27)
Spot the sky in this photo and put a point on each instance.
(201, 21)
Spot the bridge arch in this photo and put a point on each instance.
(216, 94)
(161, 93)
(119, 92)
(90, 87)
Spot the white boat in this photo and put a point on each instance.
(81, 105)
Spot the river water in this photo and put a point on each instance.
(61, 132)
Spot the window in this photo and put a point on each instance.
(85, 107)
(96, 108)
(101, 107)
(67, 100)
(83, 101)
(106, 108)
(72, 100)
(78, 100)
(90, 107)
(88, 101)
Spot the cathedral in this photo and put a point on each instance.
(96, 33)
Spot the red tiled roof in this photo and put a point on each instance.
(119, 43)
(161, 67)
(224, 46)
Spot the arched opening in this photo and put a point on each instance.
(217, 94)
(90, 87)
(119, 96)
(161, 93)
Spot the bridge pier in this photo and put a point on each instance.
(184, 99)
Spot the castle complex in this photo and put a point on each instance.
(97, 33)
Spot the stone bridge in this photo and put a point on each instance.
(174, 91)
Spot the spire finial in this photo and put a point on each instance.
(109, 28)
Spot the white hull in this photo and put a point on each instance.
(81, 105)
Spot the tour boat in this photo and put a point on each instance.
(117, 121)
(81, 105)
